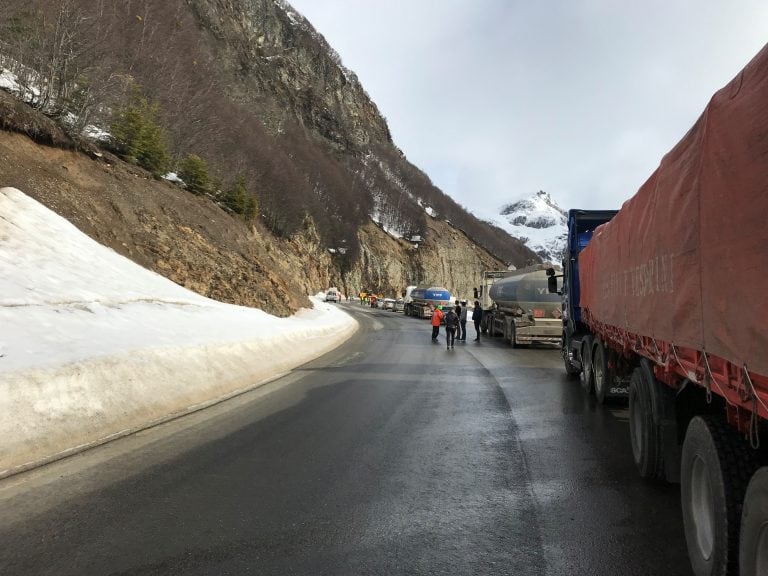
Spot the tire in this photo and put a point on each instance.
(603, 374)
(753, 542)
(645, 429)
(570, 370)
(587, 369)
(716, 466)
(513, 336)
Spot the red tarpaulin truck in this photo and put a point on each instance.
(663, 299)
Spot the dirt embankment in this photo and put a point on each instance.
(189, 239)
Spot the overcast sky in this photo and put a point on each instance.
(496, 99)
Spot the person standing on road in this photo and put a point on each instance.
(437, 317)
(457, 308)
(463, 321)
(451, 323)
(477, 316)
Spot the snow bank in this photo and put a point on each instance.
(92, 346)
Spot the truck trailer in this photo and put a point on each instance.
(518, 306)
(419, 298)
(664, 298)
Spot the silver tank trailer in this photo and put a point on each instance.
(525, 311)
(527, 292)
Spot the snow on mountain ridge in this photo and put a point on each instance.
(539, 222)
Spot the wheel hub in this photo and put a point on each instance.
(761, 562)
(635, 431)
(702, 509)
(598, 371)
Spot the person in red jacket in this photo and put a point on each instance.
(437, 317)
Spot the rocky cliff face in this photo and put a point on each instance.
(278, 56)
(446, 258)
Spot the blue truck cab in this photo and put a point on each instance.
(581, 225)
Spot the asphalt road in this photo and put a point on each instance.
(389, 456)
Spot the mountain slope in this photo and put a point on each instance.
(249, 86)
(191, 241)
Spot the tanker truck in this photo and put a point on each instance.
(518, 307)
(665, 295)
(418, 301)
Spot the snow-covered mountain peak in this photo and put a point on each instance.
(539, 222)
(539, 204)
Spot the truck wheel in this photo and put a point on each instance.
(603, 375)
(570, 370)
(513, 336)
(587, 369)
(753, 545)
(716, 466)
(645, 430)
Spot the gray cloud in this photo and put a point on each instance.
(496, 99)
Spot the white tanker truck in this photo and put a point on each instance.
(518, 307)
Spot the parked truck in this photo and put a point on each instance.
(518, 307)
(419, 298)
(665, 297)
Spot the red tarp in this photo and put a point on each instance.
(683, 258)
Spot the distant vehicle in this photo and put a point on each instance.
(332, 295)
(407, 299)
(399, 305)
(424, 295)
(388, 304)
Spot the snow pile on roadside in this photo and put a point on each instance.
(93, 345)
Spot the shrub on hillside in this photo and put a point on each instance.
(194, 171)
(138, 135)
(240, 201)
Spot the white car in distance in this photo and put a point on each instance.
(332, 295)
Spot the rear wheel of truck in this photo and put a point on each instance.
(716, 466)
(603, 374)
(587, 369)
(645, 430)
(570, 370)
(753, 545)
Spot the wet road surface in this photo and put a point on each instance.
(390, 455)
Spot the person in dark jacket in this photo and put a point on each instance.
(458, 326)
(477, 316)
(451, 323)
(463, 320)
